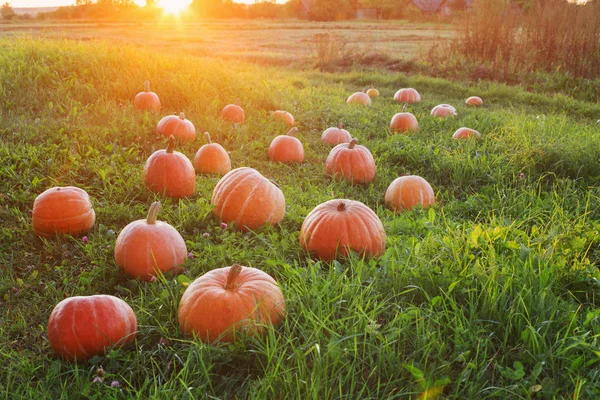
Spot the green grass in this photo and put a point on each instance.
(492, 293)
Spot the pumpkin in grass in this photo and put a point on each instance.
(170, 173)
(147, 247)
(248, 199)
(147, 100)
(225, 302)
(474, 101)
(337, 227)
(404, 122)
(351, 162)
(443, 111)
(234, 113)
(372, 92)
(284, 116)
(336, 136)
(63, 210)
(212, 159)
(359, 98)
(407, 95)
(177, 126)
(406, 192)
(287, 148)
(84, 326)
(465, 133)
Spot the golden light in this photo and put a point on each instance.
(174, 7)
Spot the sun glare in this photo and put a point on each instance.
(174, 7)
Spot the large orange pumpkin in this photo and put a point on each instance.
(224, 302)
(248, 199)
(284, 116)
(336, 136)
(474, 101)
(85, 326)
(337, 227)
(406, 192)
(465, 133)
(212, 159)
(287, 148)
(147, 100)
(351, 162)
(146, 247)
(404, 122)
(407, 95)
(178, 127)
(234, 113)
(63, 210)
(443, 111)
(359, 98)
(170, 173)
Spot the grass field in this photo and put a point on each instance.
(492, 293)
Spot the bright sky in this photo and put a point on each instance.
(53, 3)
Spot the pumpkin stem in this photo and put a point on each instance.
(147, 86)
(181, 116)
(153, 213)
(353, 143)
(292, 131)
(341, 206)
(340, 126)
(171, 145)
(208, 137)
(404, 108)
(234, 273)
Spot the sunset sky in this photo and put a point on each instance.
(52, 3)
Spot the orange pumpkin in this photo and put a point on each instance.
(63, 210)
(85, 326)
(212, 159)
(147, 246)
(404, 122)
(373, 92)
(474, 101)
(248, 199)
(170, 173)
(407, 95)
(287, 148)
(147, 100)
(284, 116)
(443, 111)
(406, 192)
(465, 133)
(352, 162)
(359, 98)
(178, 127)
(226, 301)
(337, 227)
(336, 136)
(234, 113)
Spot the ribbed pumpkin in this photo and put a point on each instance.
(404, 122)
(147, 100)
(179, 127)
(407, 95)
(359, 98)
(287, 148)
(406, 192)
(225, 302)
(443, 111)
(474, 101)
(234, 113)
(372, 92)
(465, 133)
(248, 199)
(336, 136)
(351, 162)
(147, 246)
(337, 227)
(212, 159)
(85, 326)
(63, 210)
(170, 173)
(284, 116)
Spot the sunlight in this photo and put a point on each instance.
(174, 7)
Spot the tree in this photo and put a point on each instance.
(328, 10)
(458, 5)
(7, 12)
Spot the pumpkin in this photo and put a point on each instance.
(465, 133)
(359, 98)
(352, 162)
(404, 122)
(226, 301)
(248, 199)
(147, 100)
(234, 113)
(63, 210)
(443, 111)
(212, 159)
(287, 148)
(372, 92)
(146, 247)
(170, 173)
(337, 227)
(406, 192)
(179, 127)
(474, 101)
(284, 116)
(84, 326)
(336, 136)
(407, 95)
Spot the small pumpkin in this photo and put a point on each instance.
(404, 122)
(226, 301)
(465, 133)
(406, 192)
(336, 136)
(84, 326)
(474, 101)
(284, 116)
(372, 92)
(337, 227)
(179, 127)
(351, 162)
(146, 247)
(287, 148)
(407, 95)
(359, 98)
(443, 111)
(63, 210)
(248, 199)
(234, 113)
(147, 100)
(170, 173)
(212, 159)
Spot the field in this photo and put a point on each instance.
(491, 293)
